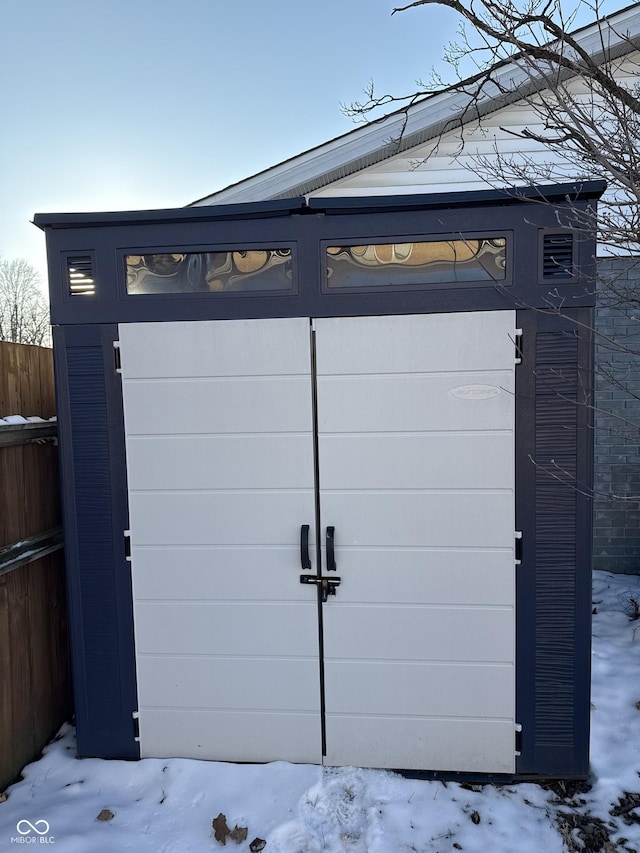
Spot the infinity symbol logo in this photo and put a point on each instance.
(40, 826)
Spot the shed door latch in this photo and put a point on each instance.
(518, 734)
(518, 547)
(116, 356)
(517, 342)
(327, 585)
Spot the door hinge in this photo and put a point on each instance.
(517, 342)
(518, 739)
(117, 357)
(127, 545)
(136, 725)
(518, 547)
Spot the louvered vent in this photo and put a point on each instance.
(80, 275)
(557, 256)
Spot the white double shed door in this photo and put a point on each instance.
(396, 431)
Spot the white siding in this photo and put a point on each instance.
(450, 164)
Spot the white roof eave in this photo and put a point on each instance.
(364, 146)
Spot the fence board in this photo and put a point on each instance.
(20, 674)
(59, 638)
(25, 433)
(40, 633)
(12, 515)
(34, 507)
(26, 381)
(6, 705)
(35, 691)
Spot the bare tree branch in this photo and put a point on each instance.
(24, 313)
(581, 97)
(587, 110)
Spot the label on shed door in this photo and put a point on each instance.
(475, 392)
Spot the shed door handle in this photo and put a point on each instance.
(331, 557)
(305, 562)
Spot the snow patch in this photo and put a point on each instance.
(167, 806)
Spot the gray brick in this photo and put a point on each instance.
(617, 452)
(612, 551)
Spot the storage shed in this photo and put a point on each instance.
(325, 468)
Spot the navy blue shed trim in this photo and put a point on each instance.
(109, 238)
(553, 510)
(91, 432)
(560, 193)
(563, 193)
(277, 207)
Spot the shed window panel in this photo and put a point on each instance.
(232, 271)
(464, 260)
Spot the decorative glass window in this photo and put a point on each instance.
(236, 270)
(433, 262)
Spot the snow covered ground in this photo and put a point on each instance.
(95, 806)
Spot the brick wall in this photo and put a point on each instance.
(616, 533)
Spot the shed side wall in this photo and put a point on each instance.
(95, 511)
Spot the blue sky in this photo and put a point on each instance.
(133, 104)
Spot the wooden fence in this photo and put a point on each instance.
(35, 684)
